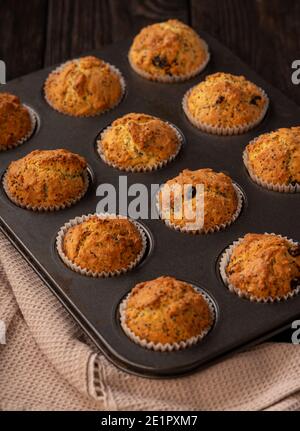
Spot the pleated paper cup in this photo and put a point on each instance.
(33, 121)
(283, 188)
(168, 347)
(217, 228)
(224, 261)
(84, 271)
(216, 130)
(41, 208)
(150, 168)
(113, 69)
(173, 79)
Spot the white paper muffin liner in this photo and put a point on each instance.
(167, 347)
(215, 130)
(114, 70)
(104, 274)
(41, 208)
(217, 228)
(140, 168)
(224, 261)
(283, 188)
(33, 120)
(173, 79)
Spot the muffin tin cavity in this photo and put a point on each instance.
(225, 257)
(116, 237)
(88, 178)
(241, 204)
(35, 126)
(35, 119)
(168, 347)
(76, 77)
(100, 153)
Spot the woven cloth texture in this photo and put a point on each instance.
(48, 364)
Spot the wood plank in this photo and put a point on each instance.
(22, 27)
(76, 26)
(265, 34)
(129, 17)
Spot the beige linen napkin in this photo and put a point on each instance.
(47, 363)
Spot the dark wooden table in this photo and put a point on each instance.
(263, 33)
(38, 33)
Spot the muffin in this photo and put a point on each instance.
(46, 180)
(262, 267)
(84, 87)
(166, 314)
(101, 245)
(16, 122)
(216, 208)
(225, 104)
(139, 142)
(168, 51)
(273, 160)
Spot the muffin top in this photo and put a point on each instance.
(103, 244)
(220, 198)
(138, 141)
(46, 179)
(264, 265)
(168, 49)
(275, 157)
(166, 310)
(83, 87)
(15, 122)
(226, 101)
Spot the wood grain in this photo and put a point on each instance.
(22, 35)
(38, 33)
(76, 26)
(265, 34)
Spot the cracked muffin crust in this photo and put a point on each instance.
(168, 51)
(46, 179)
(138, 142)
(15, 121)
(264, 266)
(103, 245)
(220, 198)
(225, 104)
(84, 87)
(275, 157)
(167, 311)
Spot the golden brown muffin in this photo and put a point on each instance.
(264, 266)
(138, 142)
(47, 179)
(103, 244)
(274, 157)
(168, 51)
(220, 199)
(15, 121)
(167, 311)
(83, 87)
(225, 104)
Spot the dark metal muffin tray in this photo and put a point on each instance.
(94, 302)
